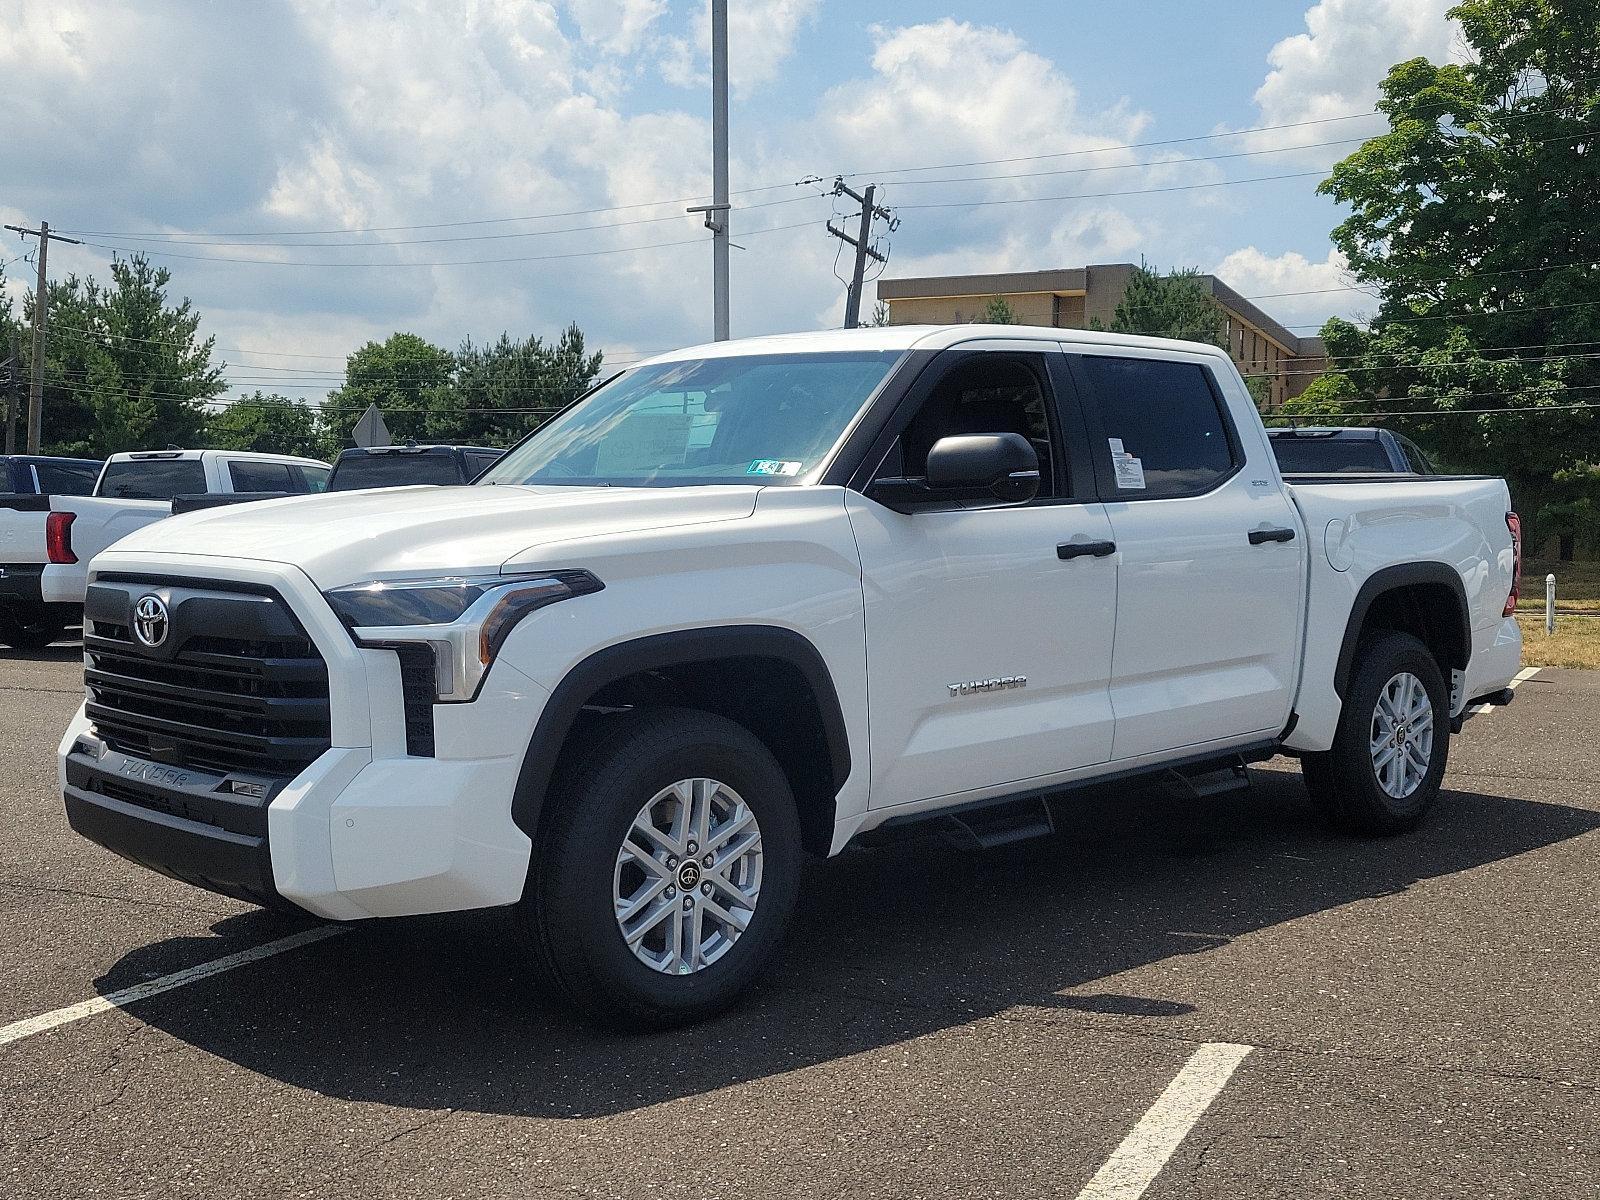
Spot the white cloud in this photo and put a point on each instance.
(1334, 68)
(616, 26)
(1296, 290)
(761, 36)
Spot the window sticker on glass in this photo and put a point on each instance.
(643, 442)
(1129, 470)
(773, 466)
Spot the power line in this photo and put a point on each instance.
(476, 237)
(470, 262)
(1531, 409)
(677, 200)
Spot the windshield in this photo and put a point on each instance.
(758, 419)
(394, 469)
(153, 479)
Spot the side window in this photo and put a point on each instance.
(1416, 460)
(1164, 427)
(60, 479)
(479, 461)
(260, 477)
(310, 479)
(988, 393)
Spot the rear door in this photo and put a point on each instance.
(1210, 553)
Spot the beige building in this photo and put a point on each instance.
(1078, 297)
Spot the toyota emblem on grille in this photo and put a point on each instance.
(150, 622)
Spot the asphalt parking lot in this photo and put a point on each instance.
(1414, 1017)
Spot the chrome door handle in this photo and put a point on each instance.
(1068, 550)
(1260, 536)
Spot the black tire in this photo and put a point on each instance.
(31, 628)
(567, 911)
(1343, 781)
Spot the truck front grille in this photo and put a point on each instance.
(236, 685)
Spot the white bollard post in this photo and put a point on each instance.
(1550, 603)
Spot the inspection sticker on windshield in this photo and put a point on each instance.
(1129, 470)
(773, 466)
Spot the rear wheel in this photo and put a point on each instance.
(667, 869)
(1389, 754)
(33, 627)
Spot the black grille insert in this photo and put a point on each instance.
(236, 686)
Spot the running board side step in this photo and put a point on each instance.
(1202, 784)
(999, 824)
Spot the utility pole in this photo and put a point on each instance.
(717, 211)
(41, 309)
(862, 243)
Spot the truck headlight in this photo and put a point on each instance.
(464, 619)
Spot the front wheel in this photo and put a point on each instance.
(667, 869)
(1389, 754)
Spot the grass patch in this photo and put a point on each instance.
(1577, 586)
(1575, 643)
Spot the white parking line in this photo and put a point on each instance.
(18, 1030)
(1522, 677)
(1134, 1165)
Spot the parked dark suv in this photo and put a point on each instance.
(406, 466)
(1339, 451)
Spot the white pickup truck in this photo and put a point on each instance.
(775, 596)
(46, 541)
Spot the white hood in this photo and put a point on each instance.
(351, 537)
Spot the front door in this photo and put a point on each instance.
(989, 629)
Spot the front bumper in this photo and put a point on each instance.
(366, 829)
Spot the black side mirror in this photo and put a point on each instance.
(977, 466)
(1005, 465)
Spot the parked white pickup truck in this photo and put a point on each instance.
(776, 596)
(46, 541)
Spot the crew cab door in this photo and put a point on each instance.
(1211, 553)
(988, 646)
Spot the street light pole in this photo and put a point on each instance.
(719, 167)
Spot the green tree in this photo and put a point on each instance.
(998, 312)
(404, 375)
(504, 390)
(1175, 305)
(1474, 221)
(880, 315)
(124, 369)
(267, 424)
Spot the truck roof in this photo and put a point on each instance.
(922, 337)
(247, 455)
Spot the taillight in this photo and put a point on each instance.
(58, 537)
(1514, 523)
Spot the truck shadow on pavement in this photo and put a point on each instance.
(887, 945)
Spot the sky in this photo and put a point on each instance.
(318, 173)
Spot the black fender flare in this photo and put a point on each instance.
(655, 653)
(1387, 580)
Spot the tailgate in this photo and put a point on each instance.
(22, 520)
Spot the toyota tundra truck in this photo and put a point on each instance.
(767, 598)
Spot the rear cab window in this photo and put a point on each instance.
(1163, 429)
(1312, 454)
(395, 469)
(153, 479)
